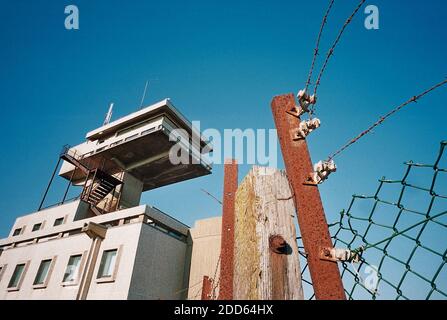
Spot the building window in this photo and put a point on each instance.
(17, 276)
(42, 272)
(134, 127)
(2, 270)
(17, 232)
(37, 227)
(107, 266)
(58, 222)
(72, 271)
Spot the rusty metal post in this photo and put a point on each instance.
(207, 287)
(227, 242)
(325, 274)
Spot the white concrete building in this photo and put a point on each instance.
(104, 244)
(206, 237)
(144, 254)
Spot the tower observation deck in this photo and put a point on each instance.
(120, 160)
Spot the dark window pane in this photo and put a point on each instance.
(42, 273)
(58, 221)
(107, 265)
(15, 279)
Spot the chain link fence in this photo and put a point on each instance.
(402, 230)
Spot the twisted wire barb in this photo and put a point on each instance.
(316, 50)
(383, 118)
(332, 49)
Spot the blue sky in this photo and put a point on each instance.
(221, 62)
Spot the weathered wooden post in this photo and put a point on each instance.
(266, 261)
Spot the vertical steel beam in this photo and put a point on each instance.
(69, 185)
(227, 242)
(325, 275)
(207, 287)
(49, 185)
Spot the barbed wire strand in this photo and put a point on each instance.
(317, 47)
(215, 283)
(175, 293)
(386, 116)
(334, 45)
(212, 196)
(199, 290)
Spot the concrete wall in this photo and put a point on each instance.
(150, 263)
(69, 211)
(60, 249)
(206, 237)
(130, 191)
(159, 267)
(124, 238)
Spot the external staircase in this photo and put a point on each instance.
(98, 183)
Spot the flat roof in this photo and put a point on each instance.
(141, 115)
(153, 213)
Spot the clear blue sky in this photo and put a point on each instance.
(220, 62)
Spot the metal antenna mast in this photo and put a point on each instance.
(109, 115)
(144, 94)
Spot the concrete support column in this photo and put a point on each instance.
(97, 233)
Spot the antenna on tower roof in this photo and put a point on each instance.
(144, 95)
(109, 115)
(149, 81)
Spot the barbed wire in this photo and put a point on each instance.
(316, 50)
(199, 291)
(175, 293)
(215, 283)
(330, 52)
(386, 116)
(212, 196)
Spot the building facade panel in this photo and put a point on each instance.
(59, 251)
(160, 266)
(206, 236)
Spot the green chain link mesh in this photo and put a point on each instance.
(402, 229)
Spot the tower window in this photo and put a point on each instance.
(72, 271)
(107, 266)
(42, 272)
(58, 222)
(17, 276)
